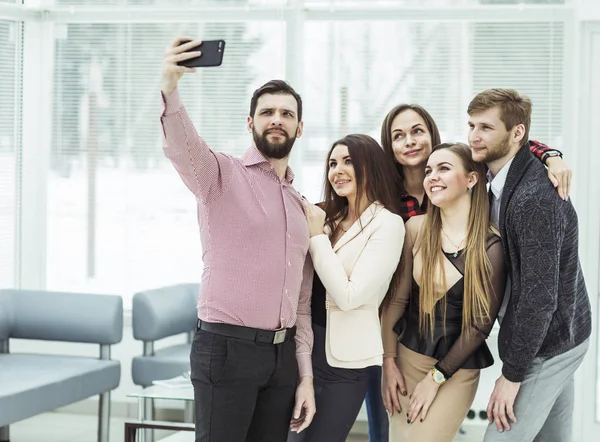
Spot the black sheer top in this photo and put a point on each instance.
(450, 345)
(471, 353)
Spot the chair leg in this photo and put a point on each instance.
(104, 417)
(4, 434)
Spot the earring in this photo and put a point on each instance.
(469, 191)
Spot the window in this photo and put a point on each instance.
(356, 71)
(9, 151)
(119, 218)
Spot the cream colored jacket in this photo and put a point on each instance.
(356, 274)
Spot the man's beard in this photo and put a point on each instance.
(276, 151)
(499, 151)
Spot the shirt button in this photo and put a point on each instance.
(289, 236)
(285, 291)
(289, 264)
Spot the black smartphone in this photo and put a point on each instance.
(212, 54)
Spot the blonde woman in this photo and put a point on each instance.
(450, 289)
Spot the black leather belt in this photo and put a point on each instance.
(247, 333)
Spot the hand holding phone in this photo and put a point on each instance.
(211, 54)
(176, 52)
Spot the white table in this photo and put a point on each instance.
(180, 390)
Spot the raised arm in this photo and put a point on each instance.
(559, 172)
(203, 171)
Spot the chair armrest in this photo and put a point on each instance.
(164, 312)
(68, 317)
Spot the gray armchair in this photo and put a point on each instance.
(157, 314)
(31, 384)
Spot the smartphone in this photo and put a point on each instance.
(212, 54)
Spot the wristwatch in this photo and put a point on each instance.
(438, 376)
(550, 153)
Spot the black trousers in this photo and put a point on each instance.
(243, 390)
(339, 394)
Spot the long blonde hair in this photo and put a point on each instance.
(478, 269)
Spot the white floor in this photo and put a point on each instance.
(62, 427)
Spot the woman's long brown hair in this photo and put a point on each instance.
(478, 269)
(375, 178)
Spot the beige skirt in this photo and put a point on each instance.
(449, 408)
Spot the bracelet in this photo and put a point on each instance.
(549, 154)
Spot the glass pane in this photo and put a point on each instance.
(9, 154)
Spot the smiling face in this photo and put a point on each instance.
(411, 140)
(341, 173)
(275, 125)
(446, 179)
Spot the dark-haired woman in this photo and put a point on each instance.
(354, 260)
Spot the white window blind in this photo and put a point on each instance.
(9, 152)
(358, 71)
(119, 218)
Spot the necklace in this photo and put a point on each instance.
(455, 254)
(342, 227)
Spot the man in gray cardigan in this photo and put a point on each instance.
(545, 320)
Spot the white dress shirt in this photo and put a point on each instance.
(496, 184)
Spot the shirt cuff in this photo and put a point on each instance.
(171, 102)
(513, 374)
(304, 365)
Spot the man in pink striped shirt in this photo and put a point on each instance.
(251, 355)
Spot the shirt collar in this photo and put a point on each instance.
(497, 182)
(253, 157)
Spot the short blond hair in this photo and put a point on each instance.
(514, 108)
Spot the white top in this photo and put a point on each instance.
(356, 273)
(497, 185)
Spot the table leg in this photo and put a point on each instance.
(142, 417)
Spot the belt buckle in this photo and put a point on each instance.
(279, 336)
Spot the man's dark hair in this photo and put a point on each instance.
(275, 87)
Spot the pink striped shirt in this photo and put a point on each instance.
(253, 232)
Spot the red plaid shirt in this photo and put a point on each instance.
(409, 205)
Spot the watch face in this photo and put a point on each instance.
(438, 377)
